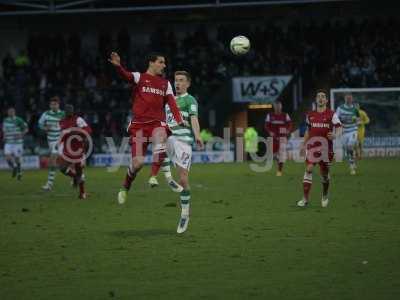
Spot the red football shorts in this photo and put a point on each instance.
(142, 134)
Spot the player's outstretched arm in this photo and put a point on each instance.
(115, 60)
(194, 120)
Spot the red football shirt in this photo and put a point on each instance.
(319, 125)
(149, 96)
(278, 125)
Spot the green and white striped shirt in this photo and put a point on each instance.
(188, 107)
(52, 120)
(13, 129)
(348, 116)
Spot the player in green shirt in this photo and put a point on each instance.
(50, 123)
(179, 144)
(350, 117)
(14, 128)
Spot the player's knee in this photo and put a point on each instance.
(137, 164)
(184, 183)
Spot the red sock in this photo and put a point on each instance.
(129, 178)
(307, 182)
(158, 159)
(280, 166)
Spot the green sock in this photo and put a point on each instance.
(185, 200)
(51, 175)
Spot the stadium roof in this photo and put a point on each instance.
(32, 7)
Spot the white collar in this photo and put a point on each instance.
(183, 95)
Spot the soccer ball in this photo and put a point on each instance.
(240, 45)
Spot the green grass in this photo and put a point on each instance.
(246, 239)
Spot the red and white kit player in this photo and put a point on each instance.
(279, 126)
(323, 126)
(150, 93)
(72, 147)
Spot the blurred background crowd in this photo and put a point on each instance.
(347, 52)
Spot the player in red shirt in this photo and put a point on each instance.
(279, 126)
(323, 125)
(150, 93)
(72, 147)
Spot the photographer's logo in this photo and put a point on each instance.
(75, 145)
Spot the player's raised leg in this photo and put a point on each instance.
(134, 168)
(166, 169)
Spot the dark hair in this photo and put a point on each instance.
(321, 91)
(184, 73)
(152, 57)
(55, 99)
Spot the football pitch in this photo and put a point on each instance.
(246, 238)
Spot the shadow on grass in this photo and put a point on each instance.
(143, 233)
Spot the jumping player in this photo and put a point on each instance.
(323, 126)
(150, 94)
(14, 129)
(279, 126)
(50, 123)
(72, 147)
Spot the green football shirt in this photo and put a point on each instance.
(52, 120)
(188, 107)
(13, 129)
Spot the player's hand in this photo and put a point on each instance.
(199, 143)
(115, 59)
(331, 135)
